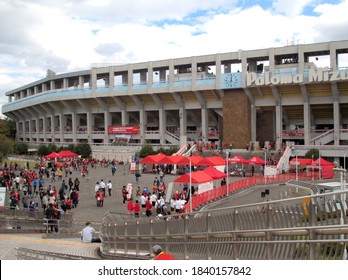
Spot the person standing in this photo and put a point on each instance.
(109, 186)
(87, 234)
(136, 209)
(148, 206)
(124, 194)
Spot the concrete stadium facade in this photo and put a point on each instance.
(273, 94)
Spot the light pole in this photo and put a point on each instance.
(296, 167)
(190, 190)
(227, 172)
(343, 172)
(264, 169)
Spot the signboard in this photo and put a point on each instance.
(2, 197)
(123, 129)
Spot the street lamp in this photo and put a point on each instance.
(264, 169)
(343, 172)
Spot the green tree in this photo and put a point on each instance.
(312, 153)
(8, 128)
(42, 150)
(20, 148)
(83, 149)
(145, 151)
(6, 146)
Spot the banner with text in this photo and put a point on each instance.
(123, 129)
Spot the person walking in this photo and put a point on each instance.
(109, 186)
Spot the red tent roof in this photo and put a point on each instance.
(198, 177)
(301, 161)
(52, 155)
(322, 162)
(214, 173)
(67, 153)
(216, 160)
(256, 160)
(238, 159)
(153, 158)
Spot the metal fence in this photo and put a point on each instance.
(312, 227)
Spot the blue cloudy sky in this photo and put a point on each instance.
(70, 35)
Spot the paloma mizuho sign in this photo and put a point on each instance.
(314, 75)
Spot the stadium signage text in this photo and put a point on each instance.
(314, 75)
(123, 129)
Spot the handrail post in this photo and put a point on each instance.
(312, 234)
(269, 237)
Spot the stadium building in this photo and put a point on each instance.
(249, 96)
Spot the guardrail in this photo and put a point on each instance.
(287, 229)
(31, 254)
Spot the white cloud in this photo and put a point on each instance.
(70, 35)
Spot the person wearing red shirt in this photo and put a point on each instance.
(130, 207)
(160, 255)
(136, 209)
(148, 206)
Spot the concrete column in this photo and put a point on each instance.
(111, 79)
(124, 117)
(333, 56)
(37, 122)
(162, 125)
(106, 125)
(93, 79)
(24, 125)
(30, 130)
(307, 123)
(337, 122)
(130, 79)
(171, 76)
(279, 126)
(183, 126)
(44, 129)
(36, 89)
(73, 128)
(194, 74)
(271, 60)
(52, 85)
(89, 126)
(218, 71)
(204, 125)
(53, 128)
(65, 83)
(253, 122)
(61, 127)
(300, 60)
(81, 82)
(143, 121)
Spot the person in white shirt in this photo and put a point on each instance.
(87, 234)
(97, 187)
(109, 186)
(102, 185)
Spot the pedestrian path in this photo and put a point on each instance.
(70, 246)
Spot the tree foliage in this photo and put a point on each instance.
(20, 148)
(312, 153)
(8, 128)
(6, 146)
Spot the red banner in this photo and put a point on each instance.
(123, 129)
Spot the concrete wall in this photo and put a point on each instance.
(236, 121)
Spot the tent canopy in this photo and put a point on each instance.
(238, 159)
(214, 173)
(256, 160)
(52, 155)
(153, 159)
(67, 153)
(216, 161)
(301, 161)
(198, 177)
